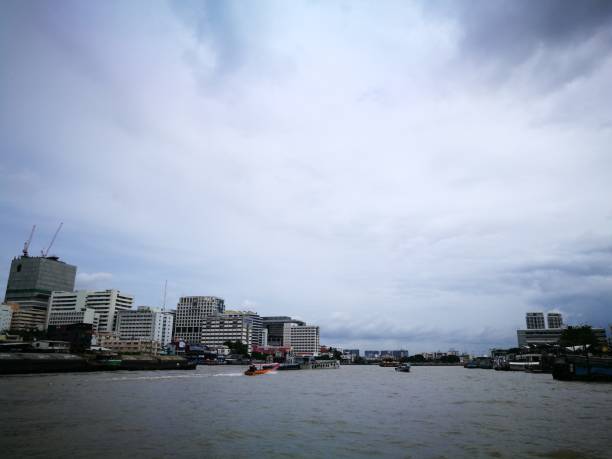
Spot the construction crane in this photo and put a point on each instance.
(26, 244)
(46, 252)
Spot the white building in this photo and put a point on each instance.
(191, 312)
(105, 304)
(305, 340)
(230, 326)
(535, 320)
(554, 319)
(6, 314)
(145, 323)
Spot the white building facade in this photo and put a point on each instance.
(145, 323)
(65, 307)
(6, 314)
(191, 311)
(305, 339)
(229, 326)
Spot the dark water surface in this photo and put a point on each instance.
(351, 412)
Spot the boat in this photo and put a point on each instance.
(404, 368)
(255, 370)
(525, 362)
(583, 368)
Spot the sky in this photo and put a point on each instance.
(411, 175)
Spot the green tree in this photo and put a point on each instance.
(237, 347)
(578, 336)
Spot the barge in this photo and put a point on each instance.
(35, 362)
(582, 368)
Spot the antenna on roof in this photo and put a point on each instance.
(46, 252)
(26, 244)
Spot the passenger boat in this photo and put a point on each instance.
(404, 368)
(255, 370)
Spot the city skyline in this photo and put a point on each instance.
(379, 170)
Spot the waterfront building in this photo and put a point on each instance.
(305, 339)
(535, 320)
(145, 323)
(394, 354)
(229, 326)
(554, 320)
(352, 352)
(550, 336)
(279, 329)
(65, 307)
(30, 283)
(114, 342)
(372, 355)
(191, 312)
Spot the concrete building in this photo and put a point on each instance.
(6, 315)
(126, 346)
(229, 326)
(30, 283)
(28, 318)
(145, 323)
(305, 340)
(67, 308)
(105, 304)
(278, 329)
(191, 312)
(554, 320)
(550, 336)
(535, 320)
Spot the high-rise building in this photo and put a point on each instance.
(554, 319)
(305, 340)
(229, 326)
(30, 283)
(105, 304)
(278, 329)
(145, 323)
(535, 320)
(191, 312)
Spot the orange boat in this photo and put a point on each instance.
(262, 370)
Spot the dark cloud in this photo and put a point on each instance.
(569, 38)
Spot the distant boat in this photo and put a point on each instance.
(404, 368)
(255, 370)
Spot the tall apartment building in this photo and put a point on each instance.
(145, 323)
(65, 307)
(191, 312)
(535, 320)
(30, 283)
(229, 326)
(304, 339)
(554, 319)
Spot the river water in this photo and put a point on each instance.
(358, 411)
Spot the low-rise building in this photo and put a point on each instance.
(126, 346)
(550, 336)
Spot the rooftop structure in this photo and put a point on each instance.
(535, 320)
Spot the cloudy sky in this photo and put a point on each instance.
(403, 174)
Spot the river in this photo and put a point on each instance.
(358, 411)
